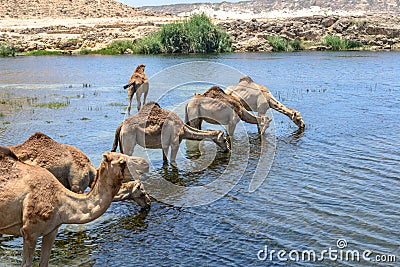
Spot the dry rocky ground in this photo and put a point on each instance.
(76, 24)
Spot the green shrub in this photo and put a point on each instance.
(336, 43)
(195, 35)
(296, 44)
(6, 50)
(278, 44)
(117, 47)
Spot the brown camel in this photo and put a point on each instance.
(34, 203)
(154, 127)
(216, 107)
(70, 166)
(256, 97)
(139, 84)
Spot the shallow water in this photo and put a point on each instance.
(339, 179)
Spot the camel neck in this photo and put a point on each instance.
(83, 208)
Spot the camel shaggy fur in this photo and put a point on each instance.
(139, 84)
(34, 203)
(216, 107)
(256, 97)
(154, 127)
(69, 164)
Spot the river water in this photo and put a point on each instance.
(334, 187)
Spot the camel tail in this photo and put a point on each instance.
(186, 115)
(117, 140)
(130, 84)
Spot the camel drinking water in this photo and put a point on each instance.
(139, 84)
(256, 97)
(71, 166)
(34, 203)
(154, 127)
(216, 107)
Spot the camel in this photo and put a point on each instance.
(34, 203)
(154, 127)
(69, 164)
(256, 97)
(139, 84)
(216, 107)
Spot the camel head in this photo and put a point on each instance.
(298, 120)
(139, 195)
(222, 142)
(123, 167)
(264, 122)
(140, 68)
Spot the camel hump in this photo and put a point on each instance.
(246, 79)
(5, 151)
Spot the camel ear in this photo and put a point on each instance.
(105, 157)
(122, 160)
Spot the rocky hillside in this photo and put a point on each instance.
(23, 9)
(281, 8)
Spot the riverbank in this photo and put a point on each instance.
(374, 32)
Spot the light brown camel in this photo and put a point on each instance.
(139, 84)
(216, 107)
(71, 166)
(256, 97)
(67, 163)
(34, 203)
(154, 127)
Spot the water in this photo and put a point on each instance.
(339, 179)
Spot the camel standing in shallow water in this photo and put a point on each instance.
(71, 166)
(154, 127)
(216, 107)
(139, 84)
(256, 97)
(34, 203)
(67, 163)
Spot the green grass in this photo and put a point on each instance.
(117, 47)
(337, 43)
(43, 53)
(1, 114)
(52, 105)
(6, 50)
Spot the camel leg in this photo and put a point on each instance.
(139, 105)
(28, 248)
(47, 244)
(230, 129)
(130, 96)
(128, 142)
(145, 95)
(174, 152)
(165, 154)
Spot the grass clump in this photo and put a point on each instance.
(51, 105)
(337, 43)
(117, 47)
(6, 50)
(280, 44)
(43, 53)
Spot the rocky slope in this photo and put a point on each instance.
(22, 9)
(280, 8)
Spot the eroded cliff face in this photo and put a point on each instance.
(373, 31)
(280, 8)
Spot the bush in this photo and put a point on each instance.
(6, 50)
(117, 47)
(278, 44)
(336, 43)
(195, 35)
